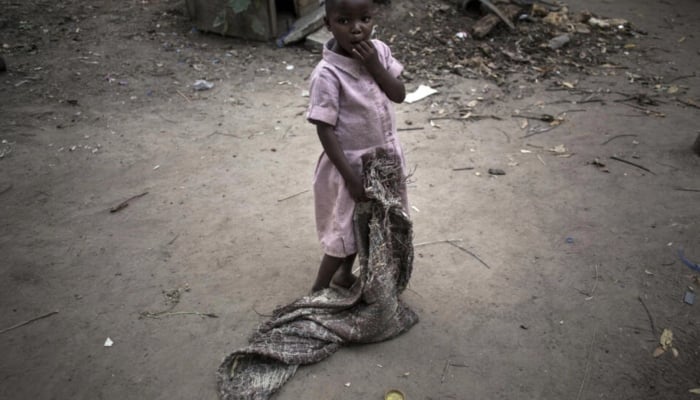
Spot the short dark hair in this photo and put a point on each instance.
(330, 5)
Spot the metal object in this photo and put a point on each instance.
(394, 394)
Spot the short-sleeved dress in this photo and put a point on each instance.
(344, 95)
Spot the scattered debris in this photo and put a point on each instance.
(696, 145)
(109, 342)
(486, 24)
(124, 204)
(518, 41)
(496, 171)
(172, 299)
(422, 92)
(29, 321)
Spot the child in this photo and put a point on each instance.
(351, 90)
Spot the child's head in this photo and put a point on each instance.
(350, 22)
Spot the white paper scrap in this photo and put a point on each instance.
(419, 94)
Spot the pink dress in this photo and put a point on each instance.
(344, 95)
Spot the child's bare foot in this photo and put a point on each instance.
(317, 288)
(344, 279)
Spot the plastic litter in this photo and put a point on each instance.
(690, 264)
(202, 84)
(689, 297)
(558, 41)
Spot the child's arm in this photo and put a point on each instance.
(391, 85)
(337, 157)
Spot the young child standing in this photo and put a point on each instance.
(351, 92)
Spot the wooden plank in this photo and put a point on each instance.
(318, 39)
(303, 27)
(485, 25)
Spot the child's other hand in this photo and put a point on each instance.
(357, 191)
(367, 54)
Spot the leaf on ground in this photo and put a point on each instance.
(658, 352)
(666, 339)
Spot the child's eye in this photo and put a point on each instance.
(366, 19)
(343, 20)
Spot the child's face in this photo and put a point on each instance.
(350, 22)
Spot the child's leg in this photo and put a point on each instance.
(344, 277)
(329, 266)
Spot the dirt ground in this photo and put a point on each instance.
(580, 271)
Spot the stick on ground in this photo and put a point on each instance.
(632, 164)
(444, 370)
(29, 321)
(470, 253)
(183, 95)
(436, 242)
(7, 189)
(125, 203)
(588, 366)
(147, 314)
(292, 196)
(615, 137)
(651, 320)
